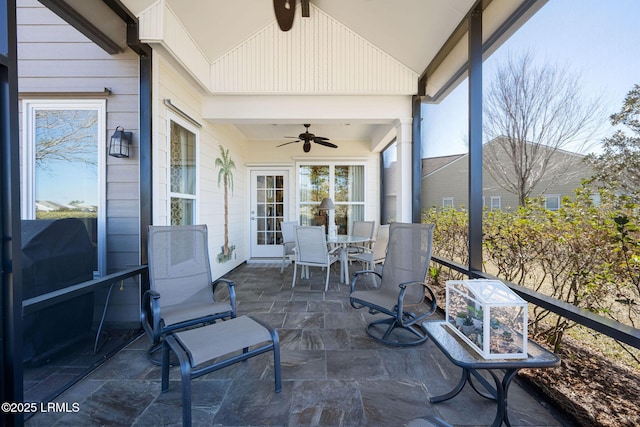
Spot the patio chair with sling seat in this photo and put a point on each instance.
(376, 255)
(402, 288)
(312, 251)
(362, 229)
(288, 230)
(181, 293)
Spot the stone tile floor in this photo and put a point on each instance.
(333, 373)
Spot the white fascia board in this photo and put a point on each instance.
(293, 109)
(158, 25)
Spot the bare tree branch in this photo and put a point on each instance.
(532, 112)
(65, 135)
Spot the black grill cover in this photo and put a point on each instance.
(55, 254)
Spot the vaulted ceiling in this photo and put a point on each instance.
(427, 37)
(412, 31)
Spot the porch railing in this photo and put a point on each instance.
(611, 328)
(52, 298)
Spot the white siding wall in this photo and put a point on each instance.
(54, 57)
(210, 198)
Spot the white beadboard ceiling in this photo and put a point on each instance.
(318, 55)
(411, 31)
(407, 34)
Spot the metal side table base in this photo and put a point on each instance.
(471, 363)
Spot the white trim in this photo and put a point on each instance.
(28, 205)
(447, 199)
(172, 117)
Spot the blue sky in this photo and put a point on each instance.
(598, 40)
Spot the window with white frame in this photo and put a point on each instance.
(343, 183)
(496, 202)
(64, 166)
(182, 171)
(552, 202)
(447, 202)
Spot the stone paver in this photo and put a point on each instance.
(333, 373)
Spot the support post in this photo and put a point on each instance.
(11, 293)
(404, 152)
(416, 161)
(475, 139)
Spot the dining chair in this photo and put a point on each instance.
(376, 255)
(288, 229)
(312, 251)
(362, 229)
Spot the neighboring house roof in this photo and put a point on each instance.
(432, 164)
(447, 177)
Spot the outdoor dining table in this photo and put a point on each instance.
(471, 362)
(343, 241)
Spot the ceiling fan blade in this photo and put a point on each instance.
(325, 143)
(323, 138)
(287, 143)
(285, 11)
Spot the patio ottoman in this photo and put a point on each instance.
(197, 348)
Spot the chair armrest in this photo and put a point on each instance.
(365, 251)
(334, 250)
(418, 319)
(357, 249)
(357, 274)
(231, 288)
(151, 302)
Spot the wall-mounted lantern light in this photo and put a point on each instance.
(120, 141)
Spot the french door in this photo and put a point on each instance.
(269, 206)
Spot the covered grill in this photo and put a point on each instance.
(55, 255)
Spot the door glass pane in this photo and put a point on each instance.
(269, 208)
(66, 167)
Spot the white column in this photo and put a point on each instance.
(404, 143)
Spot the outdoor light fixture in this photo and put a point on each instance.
(327, 205)
(120, 141)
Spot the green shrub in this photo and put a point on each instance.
(582, 254)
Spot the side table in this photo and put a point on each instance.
(460, 354)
